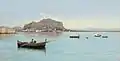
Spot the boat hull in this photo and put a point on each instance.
(31, 45)
(74, 36)
(104, 36)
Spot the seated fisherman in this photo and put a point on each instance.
(45, 40)
(17, 40)
(32, 41)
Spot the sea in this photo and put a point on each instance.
(61, 47)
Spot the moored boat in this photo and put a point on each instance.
(97, 35)
(74, 36)
(104, 36)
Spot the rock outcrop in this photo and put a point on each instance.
(45, 24)
(17, 28)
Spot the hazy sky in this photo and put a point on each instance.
(75, 14)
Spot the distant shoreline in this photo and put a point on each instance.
(63, 31)
(91, 31)
(77, 31)
(94, 31)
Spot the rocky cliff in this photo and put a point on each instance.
(17, 28)
(45, 24)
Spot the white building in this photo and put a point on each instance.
(6, 30)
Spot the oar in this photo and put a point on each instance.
(50, 41)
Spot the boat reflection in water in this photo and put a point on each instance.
(31, 50)
(50, 34)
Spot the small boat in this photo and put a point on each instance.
(39, 45)
(104, 36)
(77, 36)
(97, 35)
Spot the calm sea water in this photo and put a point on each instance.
(62, 48)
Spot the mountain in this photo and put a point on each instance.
(45, 24)
(17, 28)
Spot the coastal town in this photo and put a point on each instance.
(44, 25)
(6, 30)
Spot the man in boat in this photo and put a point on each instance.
(32, 41)
(17, 40)
(45, 40)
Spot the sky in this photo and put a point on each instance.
(75, 14)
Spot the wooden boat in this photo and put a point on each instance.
(39, 45)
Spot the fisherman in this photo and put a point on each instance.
(17, 40)
(32, 41)
(45, 40)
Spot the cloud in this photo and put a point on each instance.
(97, 22)
(44, 15)
(81, 24)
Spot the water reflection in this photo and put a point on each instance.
(29, 49)
(51, 34)
(3, 36)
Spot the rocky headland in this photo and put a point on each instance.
(44, 25)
